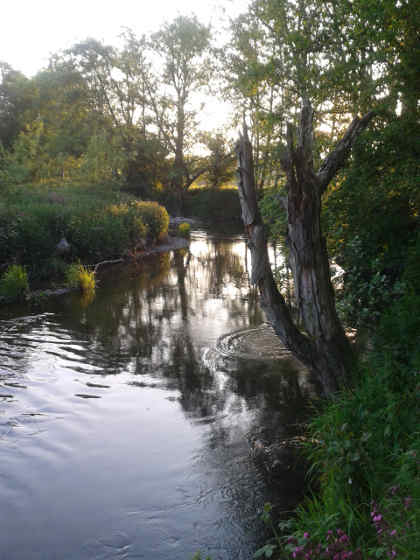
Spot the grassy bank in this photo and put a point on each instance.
(365, 464)
(97, 221)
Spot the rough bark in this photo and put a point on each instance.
(322, 345)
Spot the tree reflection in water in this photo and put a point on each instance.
(156, 324)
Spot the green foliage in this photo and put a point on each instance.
(155, 217)
(103, 155)
(14, 283)
(80, 277)
(273, 213)
(16, 98)
(215, 205)
(23, 162)
(183, 47)
(131, 216)
(220, 162)
(367, 445)
(98, 223)
(184, 229)
(371, 216)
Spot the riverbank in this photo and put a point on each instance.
(364, 450)
(171, 243)
(45, 228)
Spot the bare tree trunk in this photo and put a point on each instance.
(323, 346)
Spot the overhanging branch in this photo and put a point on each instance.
(337, 158)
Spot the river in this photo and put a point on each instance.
(128, 423)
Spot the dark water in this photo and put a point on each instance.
(126, 429)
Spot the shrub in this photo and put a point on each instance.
(154, 216)
(184, 229)
(54, 267)
(130, 215)
(30, 234)
(14, 282)
(138, 230)
(98, 235)
(98, 222)
(79, 277)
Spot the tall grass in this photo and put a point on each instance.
(99, 222)
(80, 277)
(14, 283)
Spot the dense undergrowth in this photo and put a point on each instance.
(367, 458)
(97, 221)
(213, 205)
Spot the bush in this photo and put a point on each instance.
(131, 217)
(154, 216)
(370, 216)
(29, 234)
(14, 283)
(184, 229)
(99, 222)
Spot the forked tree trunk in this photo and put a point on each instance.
(322, 345)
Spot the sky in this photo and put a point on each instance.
(31, 30)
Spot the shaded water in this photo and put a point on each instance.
(126, 425)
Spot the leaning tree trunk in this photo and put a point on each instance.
(323, 346)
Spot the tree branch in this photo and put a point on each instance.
(337, 158)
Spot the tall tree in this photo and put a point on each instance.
(183, 46)
(253, 87)
(55, 124)
(16, 99)
(120, 83)
(323, 345)
(220, 160)
(347, 57)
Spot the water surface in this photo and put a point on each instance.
(127, 427)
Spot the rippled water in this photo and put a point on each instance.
(127, 423)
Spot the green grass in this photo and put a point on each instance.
(33, 219)
(78, 276)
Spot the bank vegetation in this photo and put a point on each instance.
(95, 146)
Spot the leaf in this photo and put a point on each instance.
(283, 525)
(266, 551)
